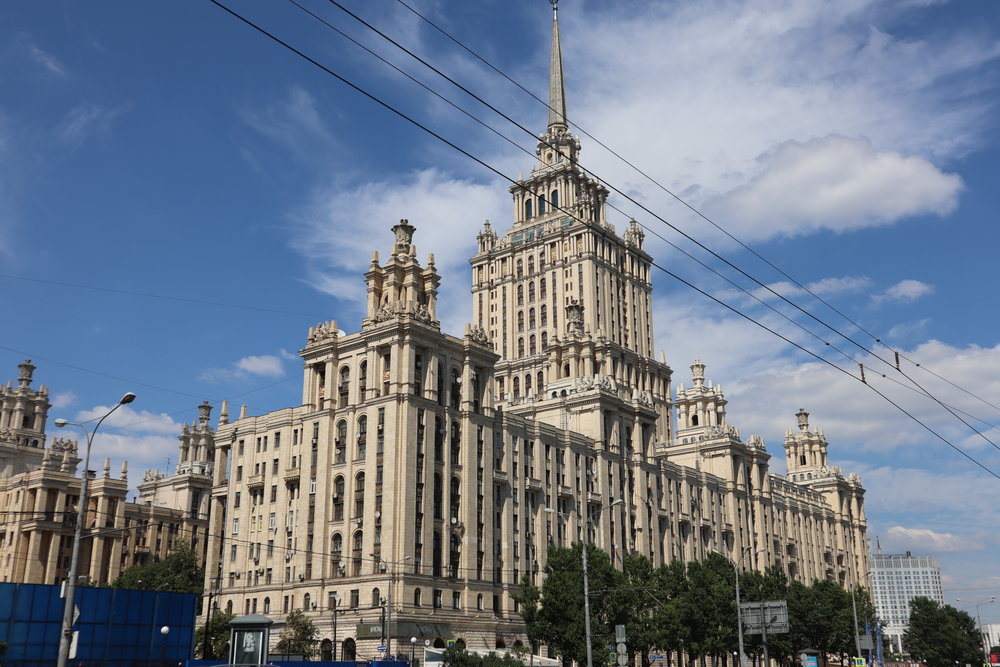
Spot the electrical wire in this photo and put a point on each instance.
(687, 204)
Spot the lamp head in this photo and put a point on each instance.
(413, 640)
(617, 502)
(61, 422)
(165, 630)
(126, 399)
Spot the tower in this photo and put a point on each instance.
(567, 301)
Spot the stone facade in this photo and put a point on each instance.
(425, 474)
(39, 496)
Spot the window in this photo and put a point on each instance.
(267, 605)
(239, 473)
(437, 598)
(543, 314)
(520, 320)
(355, 598)
(359, 496)
(520, 295)
(236, 499)
(362, 436)
(531, 291)
(376, 597)
(541, 205)
(527, 209)
(340, 442)
(338, 498)
(236, 525)
(520, 266)
(416, 598)
(554, 198)
(456, 600)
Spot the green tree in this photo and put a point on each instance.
(179, 572)
(558, 618)
(708, 607)
(218, 637)
(941, 635)
(298, 637)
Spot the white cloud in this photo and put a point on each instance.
(925, 539)
(63, 399)
(137, 449)
(261, 365)
(294, 123)
(127, 418)
(838, 184)
(342, 225)
(46, 60)
(905, 291)
(86, 120)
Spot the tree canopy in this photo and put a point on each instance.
(218, 637)
(941, 635)
(680, 606)
(179, 572)
(298, 637)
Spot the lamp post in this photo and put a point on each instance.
(739, 612)
(336, 603)
(165, 631)
(206, 643)
(413, 645)
(586, 583)
(979, 623)
(66, 637)
(854, 614)
(388, 599)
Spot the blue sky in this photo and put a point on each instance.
(180, 199)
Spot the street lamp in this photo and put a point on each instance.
(854, 614)
(979, 623)
(335, 598)
(74, 562)
(586, 584)
(388, 599)
(739, 612)
(165, 630)
(413, 645)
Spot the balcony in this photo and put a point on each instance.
(532, 484)
(291, 474)
(255, 481)
(500, 477)
(565, 491)
(594, 498)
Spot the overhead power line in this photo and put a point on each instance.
(688, 205)
(494, 170)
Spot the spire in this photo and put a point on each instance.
(557, 91)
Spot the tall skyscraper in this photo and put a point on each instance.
(897, 579)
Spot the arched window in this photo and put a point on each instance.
(531, 265)
(376, 597)
(438, 497)
(438, 439)
(520, 347)
(554, 198)
(541, 288)
(517, 388)
(340, 442)
(336, 550)
(540, 381)
(436, 571)
(532, 348)
(541, 259)
(456, 388)
(566, 370)
(520, 320)
(229, 607)
(362, 436)
(359, 496)
(531, 291)
(479, 602)
(455, 555)
(527, 384)
(520, 295)
(694, 420)
(338, 498)
(416, 598)
(356, 552)
(267, 605)
(545, 340)
(344, 385)
(527, 208)
(520, 268)
(531, 318)
(456, 497)
(349, 650)
(541, 204)
(306, 600)
(456, 443)
(362, 379)
(543, 314)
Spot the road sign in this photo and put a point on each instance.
(619, 633)
(773, 612)
(865, 641)
(621, 648)
(622, 659)
(382, 648)
(860, 662)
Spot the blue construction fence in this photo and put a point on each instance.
(116, 627)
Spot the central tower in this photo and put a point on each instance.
(566, 301)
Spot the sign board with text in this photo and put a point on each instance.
(772, 613)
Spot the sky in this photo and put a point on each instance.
(181, 198)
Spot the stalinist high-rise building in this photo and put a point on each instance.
(406, 495)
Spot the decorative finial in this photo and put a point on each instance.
(803, 418)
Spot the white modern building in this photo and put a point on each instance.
(897, 579)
